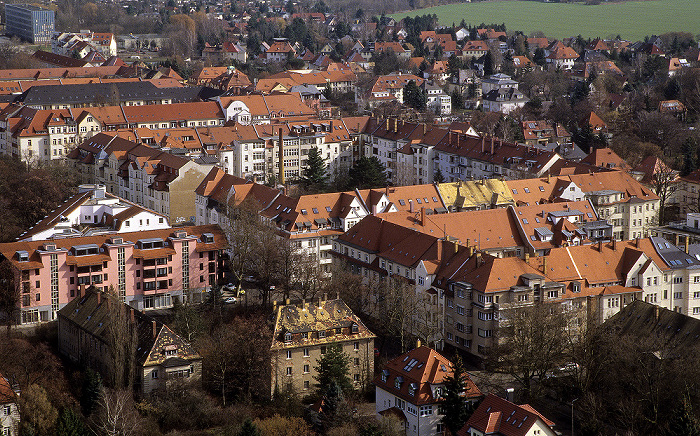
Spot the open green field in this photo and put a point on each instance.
(632, 19)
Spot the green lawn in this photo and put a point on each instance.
(632, 19)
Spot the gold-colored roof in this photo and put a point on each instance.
(473, 194)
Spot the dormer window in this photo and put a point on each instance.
(385, 375)
(49, 247)
(22, 256)
(355, 328)
(147, 244)
(397, 382)
(85, 250)
(412, 388)
(322, 334)
(338, 330)
(287, 338)
(438, 392)
(207, 238)
(117, 241)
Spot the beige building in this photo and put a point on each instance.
(9, 410)
(160, 355)
(303, 333)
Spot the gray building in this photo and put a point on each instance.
(29, 22)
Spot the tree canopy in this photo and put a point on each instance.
(367, 173)
(333, 368)
(314, 177)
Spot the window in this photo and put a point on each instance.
(356, 361)
(356, 378)
(356, 346)
(306, 369)
(485, 333)
(306, 384)
(426, 410)
(289, 370)
(306, 352)
(321, 334)
(289, 354)
(678, 280)
(287, 337)
(677, 295)
(154, 374)
(323, 349)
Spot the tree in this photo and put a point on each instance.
(117, 415)
(662, 183)
(539, 57)
(456, 409)
(690, 159)
(334, 409)
(414, 96)
(37, 412)
(281, 426)
(314, 177)
(69, 424)
(438, 177)
(683, 422)
(248, 428)
(90, 391)
(457, 100)
(333, 368)
(121, 343)
(368, 173)
(529, 344)
(488, 64)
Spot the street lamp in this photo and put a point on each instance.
(572, 415)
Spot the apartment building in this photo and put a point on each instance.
(66, 43)
(264, 109)
(414, 384)
(29, 22)
(416, 153)
(146, 269)
(686, 193)
(161, 356)
(630, 207)
(590, 282)
(302, 335)
(92, 211)
(149, 177)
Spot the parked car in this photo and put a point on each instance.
(230, 300)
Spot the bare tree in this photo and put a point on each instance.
(117, 415)
(121, 342)
(242, 225)
(9, 294)
(662, 183)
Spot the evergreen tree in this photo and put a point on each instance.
(438, 177)
(334, 408)
(414, 96)
(488, 64)
(90, 391)
(368, 173)
(683, 421)
(333, 369)
(314, 176)
(690, 161)
(69, 424)
(457, 409)
(248, 428)
(457, 100)
(539, 57)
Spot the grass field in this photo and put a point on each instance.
(632, 19)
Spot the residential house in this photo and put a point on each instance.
(606, 158)
(686, 193)
(9, 408)
(498, 417)
(386, 88)
(280, 51)
(474, 49)
(68, 43)
(504, 100)
(303, 334)
(544, 132)
(438, 100)
(160, 356)
(561, 57)
(147, 269)
(411, 387)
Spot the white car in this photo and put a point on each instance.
(230, 300)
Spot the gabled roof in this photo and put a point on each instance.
(496, 416)
(417, 373)
(607, 158)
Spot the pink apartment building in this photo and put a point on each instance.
(147, 269)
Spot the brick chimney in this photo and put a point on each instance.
(410, 206)
(280, 157)
(131, 314)
(483, 143)
(154, 328)
(687, 238)
(492, 145)
(422, 216)
(544, 264)
(99, 298)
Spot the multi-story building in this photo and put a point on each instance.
(152, 178)
(93, 211)
(160, 355)
(630, 207)
(147, 269)
(413, 384)
(29, 22)
(302, 335)
(9, 409)
(66, 43)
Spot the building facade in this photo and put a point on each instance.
(29, 22)
(147, 269)
(302, 335)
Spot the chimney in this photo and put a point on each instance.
(636, 242)
(280, 157)
(544, 264)
(527, 257)
(396, 125)
(425, 128)
(479, 259)
(656, 312)
(471, 250)
(456, 246)
(155, 328)
(614, 243)
(457, 140)
(492, 145)
(99, 298)
(387, 124)
(687, 238)
(410, 206)
(374, 209)
(331, 126)
(131, 314)
(676, 237)
(422, 217)
(483, 143)
(549, 176)
(418, 344)
(438, 243)
(600, 246)
(325, 296)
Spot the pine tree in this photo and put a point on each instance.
(333, 368)
(414, 96)
(90, 392)
(488, 64)
(69, 424)
(314, 176)
(690, 161)
(368, 173)
(438, 177)
(248, 429)
(454, 404)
